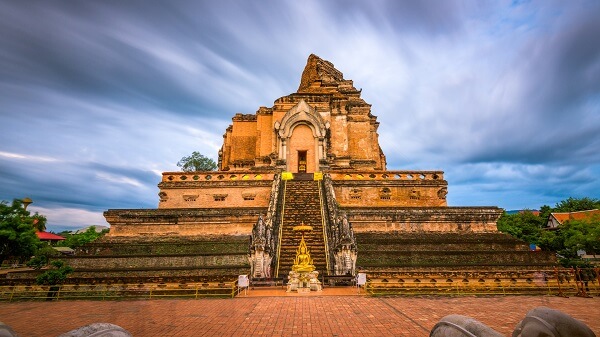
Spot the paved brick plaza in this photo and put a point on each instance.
(289, 316)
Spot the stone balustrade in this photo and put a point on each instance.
(215, 176)
(336, 175)
(387, 175)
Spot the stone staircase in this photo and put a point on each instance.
(302, 204)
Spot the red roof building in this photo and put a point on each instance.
(45, 236)
(557, 218)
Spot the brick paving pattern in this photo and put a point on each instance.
(286, 316)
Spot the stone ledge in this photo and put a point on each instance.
(177, 213)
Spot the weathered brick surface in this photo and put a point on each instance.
(214, 189)
(401, 251)
(182, 222)
(424, 219)
(286, 316)
(156, 261)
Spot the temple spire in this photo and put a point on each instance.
(318, 69)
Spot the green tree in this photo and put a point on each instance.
(39, 222)
(575, 205)
(56, 275)
(80, 239)
(17, 231)
(545, 212)
(567, 239)
(196, 162)
(42, 256)
(525, 226)
(581, 235)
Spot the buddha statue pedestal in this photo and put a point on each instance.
(304, 282)
(303, 277)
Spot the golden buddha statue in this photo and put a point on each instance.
(303, 263)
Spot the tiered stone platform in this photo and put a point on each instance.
(402, 255)
(155, 259)
(447, 251)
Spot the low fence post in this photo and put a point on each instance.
(12, 294)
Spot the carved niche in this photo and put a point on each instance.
(355, 194)
(442, 192)
(163, 196)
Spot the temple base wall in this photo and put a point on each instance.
(424, 219)
(182, 222)
(390, 188)
(215, 189)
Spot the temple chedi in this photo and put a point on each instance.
(324, 126)
(311, 159)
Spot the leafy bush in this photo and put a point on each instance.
(57, 275)
(571, 236)
(78, 240)
(42, 257)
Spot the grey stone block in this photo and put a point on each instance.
(462, 326)
(98, 330)
(547, 322)
(6, 331)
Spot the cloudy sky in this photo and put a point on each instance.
(97, 98)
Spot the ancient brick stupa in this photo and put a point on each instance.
(312, 158)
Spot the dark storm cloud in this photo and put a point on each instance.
(83, 54)
(559, 114)
(144, 55)
(90, 185)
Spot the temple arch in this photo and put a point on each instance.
(302, 132)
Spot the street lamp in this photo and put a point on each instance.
(26, 202)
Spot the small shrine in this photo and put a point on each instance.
(303, 277)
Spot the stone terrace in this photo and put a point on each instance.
(400, 251)
(153, 259)
(286, 316)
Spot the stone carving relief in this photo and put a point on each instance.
(163, 196)
(263, 243)
(260, 249)
(355, 194)
(248, 196)
(415, 195)
(219, 197)
(340, 235)
(345, 247)
(385, 194)
(442, 193)
(190, 197)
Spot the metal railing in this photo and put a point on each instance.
(116, 291)
(559, 282)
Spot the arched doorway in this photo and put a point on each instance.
(301, 155)
(301, 138)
